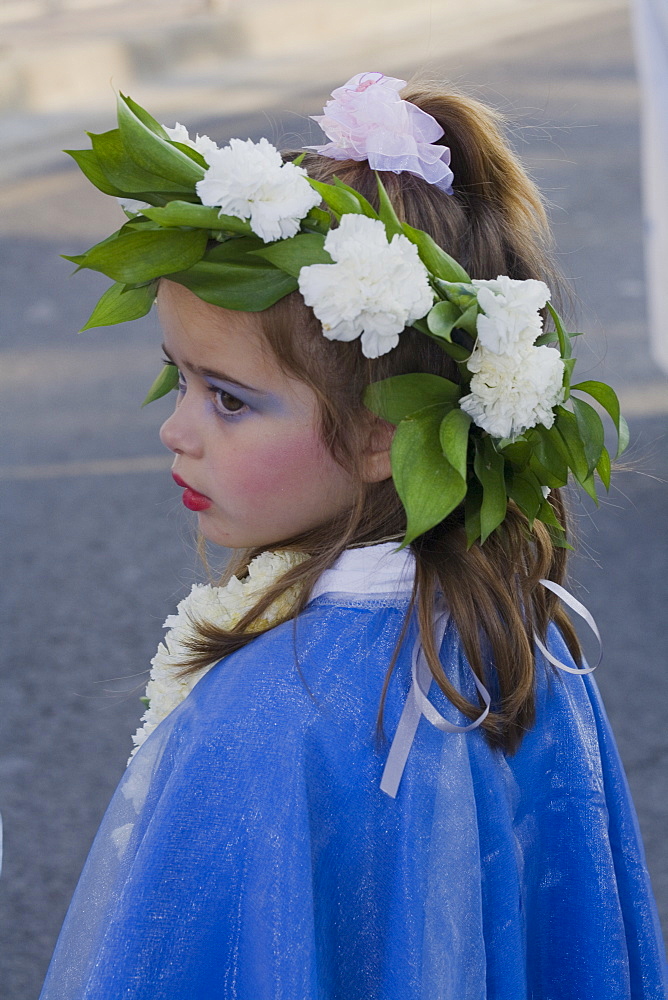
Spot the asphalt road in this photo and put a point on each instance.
(95, 555)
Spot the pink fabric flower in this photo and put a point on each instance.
(367, 120)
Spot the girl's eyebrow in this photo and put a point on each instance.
(210, 373)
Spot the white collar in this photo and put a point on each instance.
(370, 570)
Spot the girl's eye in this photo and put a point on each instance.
(227, 402)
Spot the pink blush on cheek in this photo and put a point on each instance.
(282, 466)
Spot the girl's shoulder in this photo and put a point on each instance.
(337, 648)
(299, 701)
(331, 661)
(343, 639)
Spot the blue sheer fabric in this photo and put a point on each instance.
(249, 853)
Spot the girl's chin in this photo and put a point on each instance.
(234, 540)
(218, 535)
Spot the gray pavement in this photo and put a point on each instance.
(97, 549)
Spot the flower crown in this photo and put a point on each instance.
(241, 229)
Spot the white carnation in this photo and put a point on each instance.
(509, 317)
(509, 394)
(222, 606)
(201, 143)
(374, 289)
(249, 180)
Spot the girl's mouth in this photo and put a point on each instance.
(191, 498)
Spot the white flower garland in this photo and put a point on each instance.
(374, 289)
(512, 392)
(249, 180)
(515, 384)
(222, 606)
(510, 317)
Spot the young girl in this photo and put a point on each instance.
(366, 769)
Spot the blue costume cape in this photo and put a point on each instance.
(249, 853)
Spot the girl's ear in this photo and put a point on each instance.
(376, 457)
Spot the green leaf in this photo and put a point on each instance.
(185, 213)
(550, 455)
(524, 489)
(551, 337)
(153, 153)
(546, 475)
(558, 539)
(145, 117)
(141, 256)
(427, 484)
(603, 468)
(167, 380)
(249, 286)
(488, 466)
(517, 452)
(568, 435)
(569, 365)
(568, 432)
(76, 258)
(341, 200)
(192, 154)
(547, 516)
(436, 260)
(454, 437)
(239, 250)
(455, 351)
(387, 214)
(367, 207)
(591, 431)
(607, 397)
(442, 319)
(119, 304)
(564, 338)
(468, 319)
(456, 291)
(317, 219)
(472, 509)
(81, 257)
(557, 534)
(298, 251)
(298, 160)
(88, 163)
(138, 223)
(396, 398)
(123, 172)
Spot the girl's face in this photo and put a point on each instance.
(246, 436)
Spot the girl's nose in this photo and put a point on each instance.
(180, 433)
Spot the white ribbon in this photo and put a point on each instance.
(418, 704)
(580, 610)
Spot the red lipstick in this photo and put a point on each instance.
(191, 498)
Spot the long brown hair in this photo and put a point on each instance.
(494, 223)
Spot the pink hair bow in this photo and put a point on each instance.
(367, 120)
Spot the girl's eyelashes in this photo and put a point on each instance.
(227, 404)
(180, 386)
